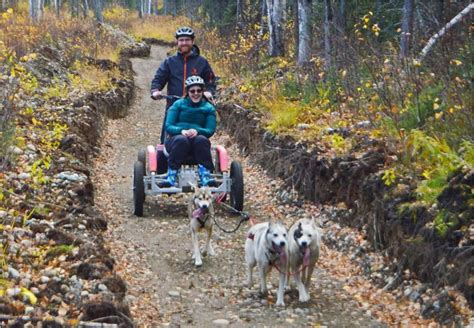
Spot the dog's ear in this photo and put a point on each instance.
(316, 223)
(269, 228)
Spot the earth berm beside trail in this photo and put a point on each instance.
(153, 253)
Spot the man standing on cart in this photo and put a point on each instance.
(176, 69)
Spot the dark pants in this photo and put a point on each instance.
(181, 148)
(163, 132)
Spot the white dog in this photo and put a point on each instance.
(304, 245)
(201, 216)
(266, 246)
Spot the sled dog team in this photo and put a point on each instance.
(268, 245)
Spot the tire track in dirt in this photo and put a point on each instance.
(153, 253)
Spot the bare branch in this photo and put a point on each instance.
(443, 31)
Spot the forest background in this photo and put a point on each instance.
(332, 73)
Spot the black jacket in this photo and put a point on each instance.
(175, 69)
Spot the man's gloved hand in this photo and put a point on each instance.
(209, 97)
(156, 94)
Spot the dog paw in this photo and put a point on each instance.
(198, 263)
(280, 303)
(304, 298)
(211, 252)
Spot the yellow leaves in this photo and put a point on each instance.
(344, 73)
(35, 121)
(29, 296)
(416, 63)
(456, 62)
(389, 177)
(10, 11)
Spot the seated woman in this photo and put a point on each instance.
(189, 123)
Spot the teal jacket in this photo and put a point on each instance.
(184, 115)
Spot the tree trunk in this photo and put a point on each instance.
(174, 7)
(407, 27)
(239, 13)
(40, 9)
(262, 18)
(140, 8)
(275, 11)
(98, 10)
(341, 16)
(74, 7)
(57, 8)
(327, 35)
(85, 8)
(165, 7)
(304, 29)
(33, 4)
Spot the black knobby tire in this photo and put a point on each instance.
(237, 188)
(217, 164)
(138, 188)
(142, 156)
(142, 159)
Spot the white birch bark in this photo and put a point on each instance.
(275, 11)
(431, 42)
(304, 31)
(33, 8)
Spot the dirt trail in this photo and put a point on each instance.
(153, 253)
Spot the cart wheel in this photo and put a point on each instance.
(237, 187)
(217, 164)
(142, 156)
(138, 188)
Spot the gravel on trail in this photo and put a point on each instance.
(153, 253)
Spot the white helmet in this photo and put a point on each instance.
(194, 80)
(184, 31)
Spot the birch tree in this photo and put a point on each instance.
(57, 7)
(36, 9)
(304, 31)
(85, 7)
(97, 4)
(327, 34)
(33, 7)
(443, 31)
(275, 11)
(407, 27)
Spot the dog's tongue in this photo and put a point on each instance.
(197, 213)
(306, 257)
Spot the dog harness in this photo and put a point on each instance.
(201, 216)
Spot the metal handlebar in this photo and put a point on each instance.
(168, 97)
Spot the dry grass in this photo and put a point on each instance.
(158, 27)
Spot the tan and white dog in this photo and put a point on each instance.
(201, 217)
(266, 245)
(304, 246)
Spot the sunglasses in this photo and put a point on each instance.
(193, 91)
